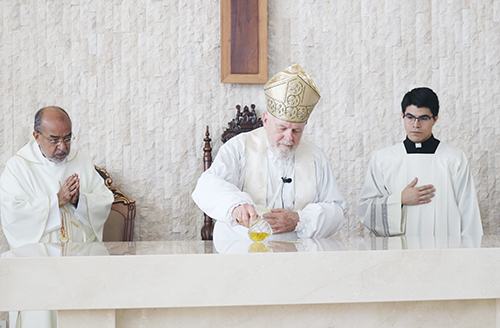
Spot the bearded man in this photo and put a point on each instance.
(271, 172)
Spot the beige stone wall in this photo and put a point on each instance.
(141, 80)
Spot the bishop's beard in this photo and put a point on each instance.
(283, 152)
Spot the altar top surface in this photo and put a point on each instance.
(247, 246)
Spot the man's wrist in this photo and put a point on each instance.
(296, 218)
(75, 204)
(232, 208)
(60, 201)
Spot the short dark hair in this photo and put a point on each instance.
(421, 97)
(39, 117)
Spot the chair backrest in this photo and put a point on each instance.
(244, 121)
(120, 223)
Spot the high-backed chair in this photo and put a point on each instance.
(120, 223)
(244, 121)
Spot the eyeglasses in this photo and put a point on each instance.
(421, 119)
(56, 142)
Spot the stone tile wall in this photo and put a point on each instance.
(141, 80)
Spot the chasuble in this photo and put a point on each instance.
(28, 193)
(248, 172)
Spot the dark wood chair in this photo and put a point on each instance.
(120, 223)
(244, 121)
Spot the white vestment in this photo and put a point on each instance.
(30, 212)
(26, 189)
(453, 211)
(222, 187)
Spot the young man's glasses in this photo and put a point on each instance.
(421, 119)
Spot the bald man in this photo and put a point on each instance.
(49, 192)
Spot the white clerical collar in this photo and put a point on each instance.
(43, 159)
(418, 145)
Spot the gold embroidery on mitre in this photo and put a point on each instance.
(291, 95)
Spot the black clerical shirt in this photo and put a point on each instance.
(429, 146)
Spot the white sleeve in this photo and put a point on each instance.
(378, 210)
(467, 201)
(54, 220)
(219, 188)
(24, 217)
(80, 211)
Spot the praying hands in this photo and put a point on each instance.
(70, 191)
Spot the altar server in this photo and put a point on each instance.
(271, 171)
(49, 192)
(420, 187)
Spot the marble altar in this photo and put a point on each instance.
(357, 282)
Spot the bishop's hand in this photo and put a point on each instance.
(412, 195)
(244, 214)
(282, 220)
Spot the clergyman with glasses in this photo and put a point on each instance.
(422, 186)
(49, 192)
(273, 172)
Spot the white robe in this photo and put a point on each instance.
(453, 211)
(30, 212)
(220, 189)
(27, 187)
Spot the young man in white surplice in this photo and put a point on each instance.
(420, 187)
